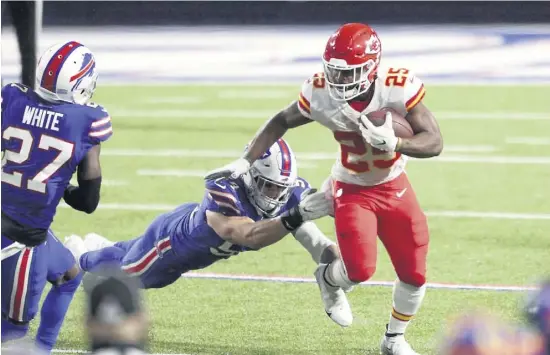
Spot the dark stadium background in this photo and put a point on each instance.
(106, 13)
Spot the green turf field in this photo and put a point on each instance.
(185, 130)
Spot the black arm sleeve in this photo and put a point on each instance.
(85, 196)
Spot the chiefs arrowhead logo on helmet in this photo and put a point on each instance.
(374, 46)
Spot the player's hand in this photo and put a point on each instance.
(314, 206)
(232, 170)
(382, 137)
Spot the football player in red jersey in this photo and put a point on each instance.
(372, 194)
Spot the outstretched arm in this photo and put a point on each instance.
(268, 134)
(244, 231)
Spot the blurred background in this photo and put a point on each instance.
(189, 83)
(281, 41)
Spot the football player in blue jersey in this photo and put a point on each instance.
(234, 216)
(47, 135)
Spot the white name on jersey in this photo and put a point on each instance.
(38, 117)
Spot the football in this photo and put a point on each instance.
(401, 126)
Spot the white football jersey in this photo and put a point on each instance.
(359, 163)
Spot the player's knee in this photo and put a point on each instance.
(359, 272)
(70, 280)
(412, 278)
(72, 284)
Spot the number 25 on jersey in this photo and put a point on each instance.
(46, 142)
(360, 157)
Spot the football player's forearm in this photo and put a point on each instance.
(274, 129)
(85, 196)
(422, 145)
(260, 234)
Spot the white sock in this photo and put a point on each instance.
(313, 240)
(406, 302)
(336, 275)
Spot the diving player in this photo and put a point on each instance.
(234, 216)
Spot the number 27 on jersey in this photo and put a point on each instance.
(38, 182)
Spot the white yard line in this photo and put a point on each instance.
(287, 279)
(309, 280)
(217, 154)
(528, 140)
(232, 94)
(182, 100)
(261, 83)
(493, 115)
(445, 214)
(265, 114)
(105, 182)
(507, 160)
(171, 172)
(470, 149)
(77, 351)
(193, 173)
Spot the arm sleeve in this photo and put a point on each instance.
(85, 196)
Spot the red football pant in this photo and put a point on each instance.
(390, 211)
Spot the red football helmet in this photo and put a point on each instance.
(351, 58)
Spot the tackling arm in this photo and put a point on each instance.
(85, 196)
(244, 231)
(427, 141)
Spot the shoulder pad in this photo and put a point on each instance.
(100, 126)
(317, 81)
(300, 191)
(222, 197)
(402, 87)
(14, 88)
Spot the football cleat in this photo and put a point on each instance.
(336, 303)
(396, 345)
(76, 246)
(94, 241)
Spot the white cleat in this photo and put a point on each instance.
(396, 345)
(336, 303)
(76, 246)
(94, 241)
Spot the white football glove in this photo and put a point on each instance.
(232, 170)
(382, 137)
(315, 205)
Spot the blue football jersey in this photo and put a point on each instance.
(42, 145)
(191, 232)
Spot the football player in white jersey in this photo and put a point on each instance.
(372, 194)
